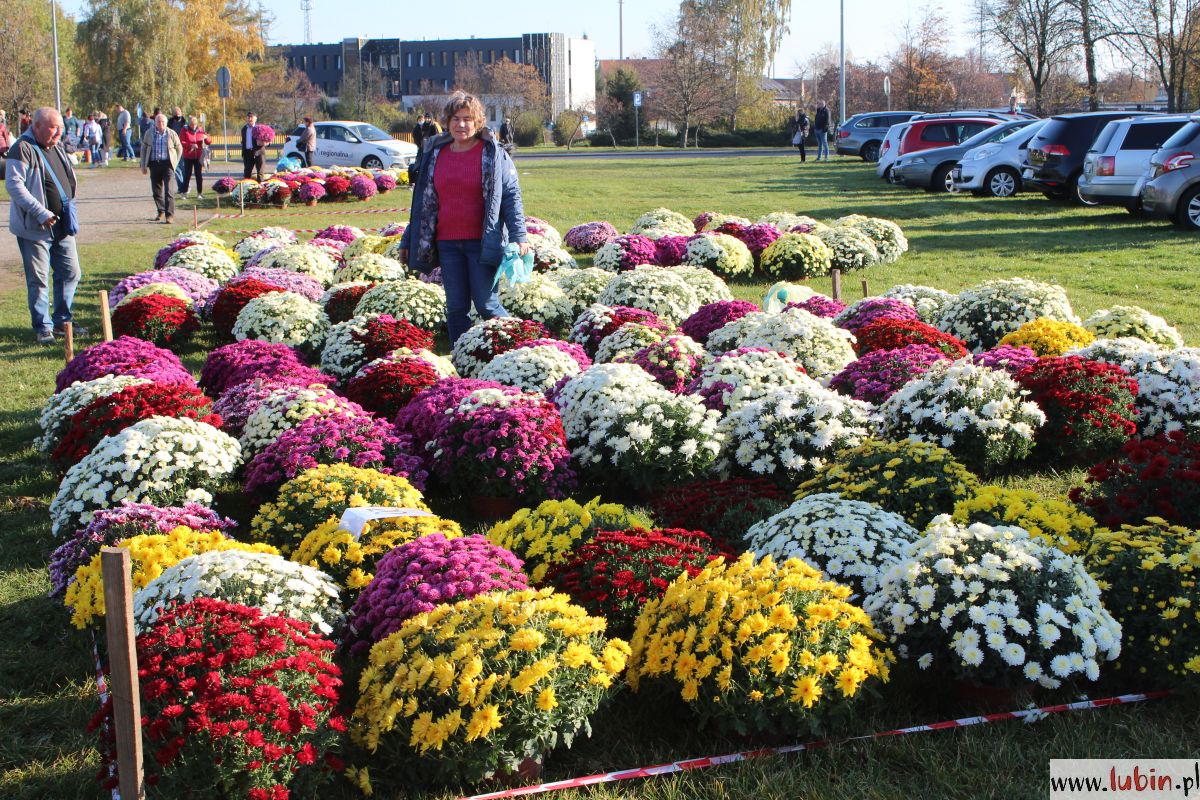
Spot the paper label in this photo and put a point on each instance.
(355, 519)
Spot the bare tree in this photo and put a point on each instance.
(692, 87)
(920, 66)
(1038, 35)
(1166, 35)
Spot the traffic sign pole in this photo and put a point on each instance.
(223, 91)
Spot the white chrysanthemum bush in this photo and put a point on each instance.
(660, 290)
(720, 253)
(995, 606)
(822, 348)
(283, 318)
(422, 304)
(303, 259)
(983, 314)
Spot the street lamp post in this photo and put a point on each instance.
(842, 64)
(54, 30)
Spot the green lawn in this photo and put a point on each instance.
(47, 693)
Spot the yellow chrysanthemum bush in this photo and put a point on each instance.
(351, 561)
(1049, 337)
(757, 646)
(317, 494)
(1148, 576)
(470, 689)
(1058, 522)
(149, 555)
(548, 534)
(916, 480)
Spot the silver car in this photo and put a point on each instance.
(1172, 187)
(994, 169)
(932, 169)
(1115, 166)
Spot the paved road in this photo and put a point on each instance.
(562, 155)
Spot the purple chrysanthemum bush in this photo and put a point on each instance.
(876, 376)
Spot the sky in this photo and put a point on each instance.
(871, 25)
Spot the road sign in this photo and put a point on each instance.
(887, 84)
(637, 99)
(223, 82)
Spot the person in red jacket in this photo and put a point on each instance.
(193, 139)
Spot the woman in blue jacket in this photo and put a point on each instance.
(466, 208)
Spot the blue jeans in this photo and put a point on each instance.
(96, 150)
(55, 256)
(466, 282)
(822, 145)
(179, 176)
(125, 149)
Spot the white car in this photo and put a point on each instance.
(889, 150)
(353, 144)
(994, 169)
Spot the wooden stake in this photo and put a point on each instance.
(195, 218)
(68, 341)
(837, 283)
(123, 677)
(866, 288)
(105, 317)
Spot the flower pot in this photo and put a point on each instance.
(493, 508)
(310, 203)
(528, 772)
(993, 698)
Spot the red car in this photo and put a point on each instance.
(927, 134)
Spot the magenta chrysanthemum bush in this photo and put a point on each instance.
(877, 376)
(170, 249)
(197, 286)
(342, 233)
(111, 525)
(359, 440)
(238, 402)
(625, 252)
(418, 575)
(570, 348)
(669, 250)
(504, 443)
(235, 363)
(821, 306)
(362, 187)
(424, 417)
(715, 315)
(125, 355)
(870, 309)
(590, 236)
(311, 190)
(756, 236)
(1007, 357)
(385, 182)
(306, 286)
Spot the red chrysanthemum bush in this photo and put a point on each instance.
(616, 572)
(724, 509)
(1158, 477)
(234, 704)
(385, 387)
(165, 321)
(336, 187)
(385, 333)
(232, 299)
(892, 334)
(1089, 406)
(341, 304)
(113, 413)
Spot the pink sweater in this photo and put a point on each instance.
(458, 180)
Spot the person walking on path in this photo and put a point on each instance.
(193, 138)
(308, 142)
(90, 139)
(4, 134)
(466, 208)
(145, 124)
(124, 133)
(821, 128)
(39, 178)
(72, 130)
(161, 153)
(176, 122)
(418, 132)
(800, 133)
(253, 154)
(26, 121)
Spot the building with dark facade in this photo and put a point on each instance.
(417, 68)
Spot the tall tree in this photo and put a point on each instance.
(1165, 34)
(692, 87)
(27, 55)
(511, 86)
(920, 66)
(752, 31)
(618, 110)
(1037, 35)
(280, 95)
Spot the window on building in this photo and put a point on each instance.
(445, 58)
(408, 60)
(408, 87)
(395, 88)
(337, 62)
(422, 59)
(479, 55)
(516, 56)
(457, 57)
(446, 85)
(491, 56)
(304, 63)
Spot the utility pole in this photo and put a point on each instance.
(54, 29)
(842, 64)
(621, 29)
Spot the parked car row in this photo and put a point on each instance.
(1141, 161)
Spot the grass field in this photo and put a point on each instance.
(47, 693)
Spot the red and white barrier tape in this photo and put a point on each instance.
(323, 213)
(746, 755)
(295, 230)
(102, 691)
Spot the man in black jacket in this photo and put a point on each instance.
(821, 129)
(253, 154)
